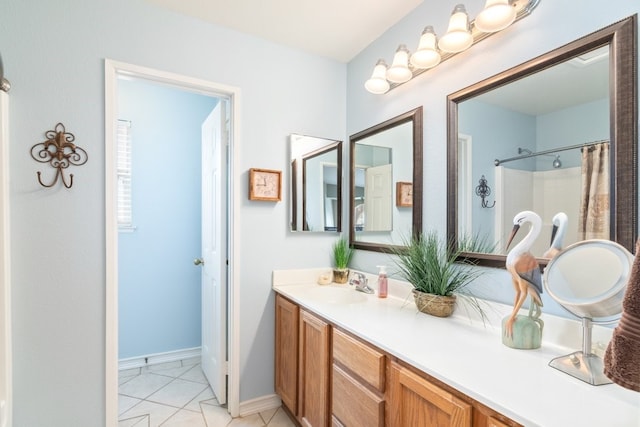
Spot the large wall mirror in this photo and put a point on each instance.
(386, 183)
(316, 184)
(555, 134)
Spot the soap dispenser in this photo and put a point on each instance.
(382, 282)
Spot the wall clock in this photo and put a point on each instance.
(265, 184)
(404, 194)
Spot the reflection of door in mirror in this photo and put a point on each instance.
(373, 204)
(316, 184)
(534, 130)
(380, 161)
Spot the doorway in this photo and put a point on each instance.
(113, 72)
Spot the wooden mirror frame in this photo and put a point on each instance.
(414, 116)
(623, 102)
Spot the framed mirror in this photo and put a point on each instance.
(533, 132)
(316, 184)
(386, 183)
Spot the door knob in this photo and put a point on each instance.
(198, 261)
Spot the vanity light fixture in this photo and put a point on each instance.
(458, 36)
(496, 15)
(461, 35)
(378, 83)
(427, 55)
(399, 71)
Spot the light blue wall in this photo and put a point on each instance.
(570, 126)
(545, 29)
(489, 142)
(53, 54)
(159, 287)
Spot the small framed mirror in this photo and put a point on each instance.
(385, 159)
(532, 132)
(316, 184)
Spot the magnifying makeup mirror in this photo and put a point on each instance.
(588, 279)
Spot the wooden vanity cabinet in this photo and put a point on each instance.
(357, 384)
(286, 343)
(415, 398)
(325, 376)
(302, 356)
(415, 401)
(314, 363)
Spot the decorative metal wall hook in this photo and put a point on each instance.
(60, 152)
(483, 190)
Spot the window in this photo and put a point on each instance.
(123, 166)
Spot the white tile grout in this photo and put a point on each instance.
(209, 399)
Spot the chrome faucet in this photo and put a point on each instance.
(360, 282)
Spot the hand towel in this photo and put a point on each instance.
(622, 357)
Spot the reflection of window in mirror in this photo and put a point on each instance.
(330, 196)
(536, 127)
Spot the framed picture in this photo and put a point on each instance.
(265, 184)
(404, 194)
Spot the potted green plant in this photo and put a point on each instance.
(433, 268)
(342, 254)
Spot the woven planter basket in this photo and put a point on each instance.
(435, 305)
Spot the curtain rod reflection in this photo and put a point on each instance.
(498, 162)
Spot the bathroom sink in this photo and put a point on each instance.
(337, 294)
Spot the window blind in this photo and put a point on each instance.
(123, 165)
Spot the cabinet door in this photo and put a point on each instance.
(287, 352)
(313, 397)
(414, 401)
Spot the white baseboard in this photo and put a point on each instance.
(154, 359)
(259, 404)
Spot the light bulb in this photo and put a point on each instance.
(378, 83)
(399, 71)
(557, 163)
(427, 56)
(458, 36)
(496, 15)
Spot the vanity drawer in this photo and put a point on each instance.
(353, 404)
(359, 358)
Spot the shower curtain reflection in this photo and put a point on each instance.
(594, 199)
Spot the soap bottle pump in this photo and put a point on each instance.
(382, 282)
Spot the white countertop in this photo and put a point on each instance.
(468, 355)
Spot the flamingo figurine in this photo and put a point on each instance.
(524, 268)
(558, 231)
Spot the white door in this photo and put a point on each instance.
(214, 251)
(378, 196)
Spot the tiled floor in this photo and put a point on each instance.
(177, 394)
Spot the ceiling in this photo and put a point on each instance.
(337, 29)
(340, 29)
(577, 81)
